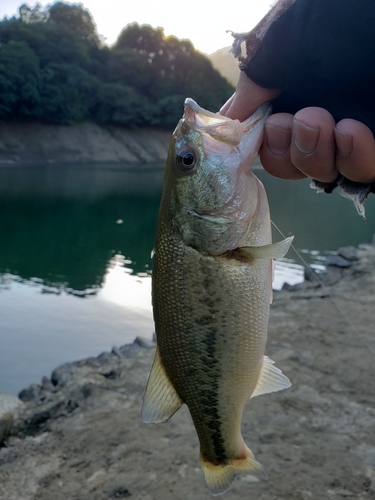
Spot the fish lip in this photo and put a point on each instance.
(209, 216)
(212, 217)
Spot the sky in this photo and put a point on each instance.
(204, 22)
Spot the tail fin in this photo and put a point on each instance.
(219, 478)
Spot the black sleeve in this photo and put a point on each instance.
(321, 53)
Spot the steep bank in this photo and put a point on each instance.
(82, 438)
(80, 143)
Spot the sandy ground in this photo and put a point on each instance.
(84, 440)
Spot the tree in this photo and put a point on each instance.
(19, 80)
(32, 15)
(121, 105)
(67, 93)
(77, 19)
(53, 68)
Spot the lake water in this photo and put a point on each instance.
(75, 263)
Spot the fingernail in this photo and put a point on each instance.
(278, 139)
(305, 137)
(344, 143)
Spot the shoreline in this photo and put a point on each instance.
(80, 437)
(86, 142)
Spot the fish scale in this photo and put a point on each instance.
(203, 330)
(211, 289)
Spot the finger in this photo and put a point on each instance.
(313, 145)
(227, 105)
(355, 158)
(247, 98)
(275, 151)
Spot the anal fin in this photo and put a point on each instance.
(271, 379)
(161, 400)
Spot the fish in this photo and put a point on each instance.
(212, 288)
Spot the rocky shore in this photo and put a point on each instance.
(78, 435)
(30, 143)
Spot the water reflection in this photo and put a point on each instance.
(67, 236)
(125, 289)
(75, 257)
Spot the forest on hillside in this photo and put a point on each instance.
(55, 68)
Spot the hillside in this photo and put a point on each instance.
(226, 64)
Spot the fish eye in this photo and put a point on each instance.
(186, 160)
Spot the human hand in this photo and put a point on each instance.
(308, 144)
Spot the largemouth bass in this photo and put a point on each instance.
(211, 290)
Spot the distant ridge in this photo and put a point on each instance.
(226, 64)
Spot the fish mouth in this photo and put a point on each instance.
(217, 219)
(220, 127)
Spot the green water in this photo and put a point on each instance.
(75, 245)
(63, 225)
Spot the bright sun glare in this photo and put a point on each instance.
(125, 289)
(203, 22)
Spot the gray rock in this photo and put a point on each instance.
(288, 287)
(47, 384)
(130, 350)
(104, 357)
(9, 403)
(143, 342)
(8, 408)
(31, 393)
(337, 261)
(116, 351)
(62, 374)
(349, 253)
(6, 424)
(310, 274)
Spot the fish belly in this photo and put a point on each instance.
(211, 316)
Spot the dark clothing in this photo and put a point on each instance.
(321, 53)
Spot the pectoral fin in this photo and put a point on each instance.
(161, 400)
(271, 251)
(271, 379)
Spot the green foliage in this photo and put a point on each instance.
(54, 68)
(76, 19)
(19, 80)
(62, 84)
(120, 105)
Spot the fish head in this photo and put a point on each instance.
(211, 193)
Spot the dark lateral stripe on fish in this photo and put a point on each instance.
(208, 397)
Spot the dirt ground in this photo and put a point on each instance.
(84, 440)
